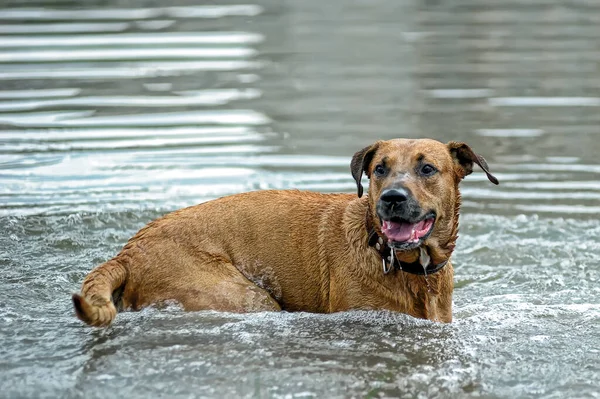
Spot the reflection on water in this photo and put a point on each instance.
(112, 113)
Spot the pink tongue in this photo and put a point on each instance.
(403, 232)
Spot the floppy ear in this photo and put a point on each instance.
(360, 163)
(464, 157)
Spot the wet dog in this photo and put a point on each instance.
(303, 251)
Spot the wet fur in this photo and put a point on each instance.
(288, 250)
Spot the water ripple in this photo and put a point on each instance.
(545, 101)
(67, 27)
(120, 54)
(38, 93)
(46, 14)
(133, 70)
(84, 118)
(132, 39)
(209, 97)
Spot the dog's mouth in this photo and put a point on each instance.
(403, 234)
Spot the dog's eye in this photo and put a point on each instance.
(428, 170)
(379, 170)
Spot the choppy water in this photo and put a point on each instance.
(112, 113)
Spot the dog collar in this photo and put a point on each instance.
(388, 257)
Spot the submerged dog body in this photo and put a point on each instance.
(303, 251)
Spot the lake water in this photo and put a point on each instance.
(114, 112)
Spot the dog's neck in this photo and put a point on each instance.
(419, 260)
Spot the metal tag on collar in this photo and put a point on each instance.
(391, 259)
(424, 259)
(386, 269)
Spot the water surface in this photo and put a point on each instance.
(113, 113)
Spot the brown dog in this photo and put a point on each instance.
(303, 251)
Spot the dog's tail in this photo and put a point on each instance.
(94, 306)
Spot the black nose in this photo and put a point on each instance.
(394, 196)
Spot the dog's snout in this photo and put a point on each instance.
(397, 202)
(394, 196)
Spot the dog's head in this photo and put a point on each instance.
(413, 190)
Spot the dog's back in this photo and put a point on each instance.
(270, 239)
